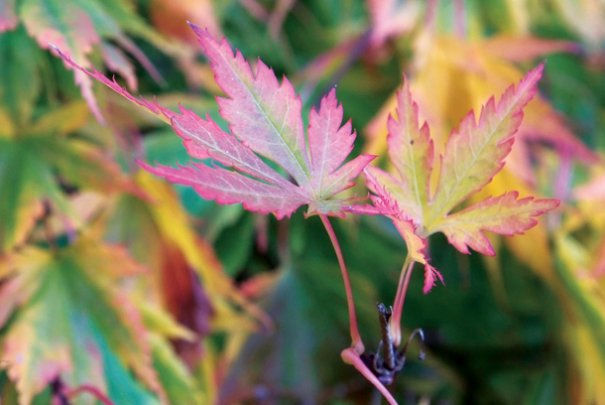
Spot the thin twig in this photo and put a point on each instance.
(349, 356)
(388, 353)
(356, 341)
(58, 392)
(94, 391)
(402, 288)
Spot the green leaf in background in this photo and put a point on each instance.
(83, 26)
(72, 298)
(180, 385)
(39, 161)
(20, 80)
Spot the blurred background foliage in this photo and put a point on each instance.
(118, 288)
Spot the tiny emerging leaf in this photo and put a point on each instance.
(474, 154)
(265, 130)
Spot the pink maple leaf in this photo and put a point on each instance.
(265, 130)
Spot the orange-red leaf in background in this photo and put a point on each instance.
(169, 17)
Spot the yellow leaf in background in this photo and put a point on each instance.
(585, 17)
(181, 386)
(160, 322)
(590, 197)
(158, 232)
(583, 297)
(7, 128)
(173, 222)
(452, 77)
(231, 311)
(591, 364)
(209, 368)
(62, 121)
(451, 80)
(519, 15)
(573, 254)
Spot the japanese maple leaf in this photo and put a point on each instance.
(86, 28)
(69, 319)
(36, 155)
(474, 153)
(265, 131)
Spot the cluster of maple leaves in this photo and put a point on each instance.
(266, 127)
(265, 160)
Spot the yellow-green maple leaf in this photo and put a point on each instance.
(473, 154)
(69, 320)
